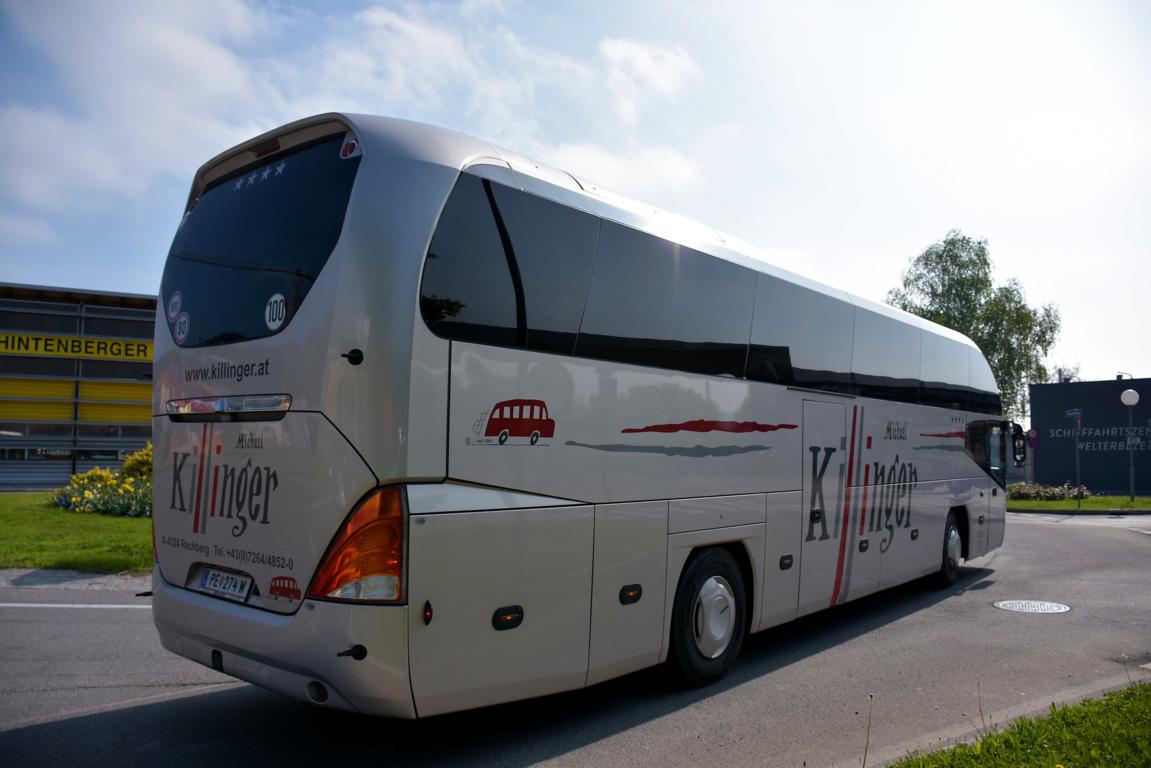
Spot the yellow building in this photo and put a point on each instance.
(75, 381)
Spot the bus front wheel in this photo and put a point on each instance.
(503, 438)
(708, 619)
(535, 437)
(952, 551)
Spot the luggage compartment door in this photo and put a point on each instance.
(477, 571)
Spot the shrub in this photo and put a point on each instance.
(139, 464)
(1033, 491)
(126, 493)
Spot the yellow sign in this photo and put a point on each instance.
(88, 347)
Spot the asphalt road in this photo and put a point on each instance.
(91, 685)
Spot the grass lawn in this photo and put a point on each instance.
(1093, 502)
(1112, 731)
(36, 534)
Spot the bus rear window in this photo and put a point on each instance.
(249, 250)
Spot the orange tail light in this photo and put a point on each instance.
(365, 562)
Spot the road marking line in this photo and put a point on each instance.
(74, 605)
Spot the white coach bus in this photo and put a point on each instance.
(439, 427)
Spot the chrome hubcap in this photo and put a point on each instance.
(714, 617)
(954, 548)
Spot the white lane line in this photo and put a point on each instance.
(75, 605)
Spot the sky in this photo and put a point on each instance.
(841, 138)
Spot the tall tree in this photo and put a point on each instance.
(950, 284)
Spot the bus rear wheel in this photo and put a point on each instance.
(535, 437)
(503, 438)
(708, 620)
(952, 551)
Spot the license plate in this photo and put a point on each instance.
(225, 584)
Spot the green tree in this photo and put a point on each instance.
(950, 284)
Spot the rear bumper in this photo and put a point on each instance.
(286, 653)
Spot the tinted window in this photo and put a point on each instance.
(132, 329)
(96, 310)
(507, 268)
(115, 369)
(885, 360)
(988, 447)
(265, 232)
(27, 321)
(800, 336)
(984, 394)
(944, 372)
(38, 366)
(659, 304)
(50, 430)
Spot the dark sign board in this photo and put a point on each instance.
(1091, 414)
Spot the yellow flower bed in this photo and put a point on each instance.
(125, 493)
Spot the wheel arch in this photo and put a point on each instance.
(744, 543)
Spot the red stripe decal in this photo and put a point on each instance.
(215, 476)
(200, 480)
(845, 530)
(863, 503)
(943, 434)
(211, 470)
(704, 425)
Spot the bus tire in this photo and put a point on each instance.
(709, 618)
(503, 438)
(535, 437)
(952, 550)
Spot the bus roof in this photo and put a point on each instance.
(441, 146)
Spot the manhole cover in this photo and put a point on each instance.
(1032, 606)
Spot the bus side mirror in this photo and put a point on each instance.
(1018, 445)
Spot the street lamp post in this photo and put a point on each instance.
(1130, 398)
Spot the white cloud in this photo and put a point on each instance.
(152, 90)
(636, 71)
(155, 89)
(16, 228)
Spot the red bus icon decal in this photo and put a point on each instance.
(520, 418)
(284, 586)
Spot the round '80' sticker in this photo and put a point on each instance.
(180, 327)
(275, 311)
(175, 302)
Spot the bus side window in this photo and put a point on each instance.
(987, 445)
(654, 302)
(996, 450)
(508, 268)
(977, 442)
(800, 336)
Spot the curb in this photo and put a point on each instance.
(969, 732)
(47, 578)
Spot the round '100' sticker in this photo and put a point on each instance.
(175, 302)
(180, 327)
(275, 311)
